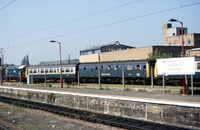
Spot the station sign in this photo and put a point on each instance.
(176, 66)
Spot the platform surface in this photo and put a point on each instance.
(149, 97)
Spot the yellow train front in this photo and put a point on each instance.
(16, 73)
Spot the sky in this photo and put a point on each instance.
(28, 26)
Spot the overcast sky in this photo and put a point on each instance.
(27, 26)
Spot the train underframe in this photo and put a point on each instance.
(114, 80)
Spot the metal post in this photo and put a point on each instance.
(163, 84)
(32, 78)
(1, 69)
(61, 83)
(192, 89)
(123, 82)
(99, 77)
(78, 78)
(45, 77)
(152, 83)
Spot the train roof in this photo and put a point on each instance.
(120, 62)
(50, 66)
(17, 67)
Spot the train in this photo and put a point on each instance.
(134, 72)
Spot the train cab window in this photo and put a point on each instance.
(137, 67)
(130, 68)
(102, 68)
(92, 69)
(198, 66)
(116, 68)
(109, 68)
(84, 69)
(96, 68)
(144, 67)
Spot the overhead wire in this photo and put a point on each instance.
(112, 23)
(72, 20)
(7, 5)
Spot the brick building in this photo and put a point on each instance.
(172, 37)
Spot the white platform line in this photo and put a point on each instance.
(135, 99)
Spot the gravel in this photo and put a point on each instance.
(18, 118)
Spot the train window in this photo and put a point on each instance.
(51, 70)
(109, 68)
(84, 69)
(67, 70)
(130, 68)
(137, 67)
(34, 71)
(54, 70)
(72, 70)
(198, 66)
(102, 68)
(96, 68)
(42, 71)
(144, 67)
(46, 71)
(58, 70)
(116, 68)
(81, 70)
(92, 69)
(63, 70)
(30, 71)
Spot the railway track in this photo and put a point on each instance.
(3, 128)
(120, 122)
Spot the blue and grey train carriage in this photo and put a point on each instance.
(136, 71)
(39, 73)
(16, 73)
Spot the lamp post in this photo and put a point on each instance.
(1, 66)
(61, 85)
(174, 20)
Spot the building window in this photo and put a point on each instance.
(175, 43)
(169, 43)
(189, 41)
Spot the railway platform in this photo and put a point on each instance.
(171, 108)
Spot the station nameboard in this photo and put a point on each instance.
(176, 66)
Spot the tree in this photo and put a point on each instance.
(41, 63)
(157, 55)
(25, 60)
